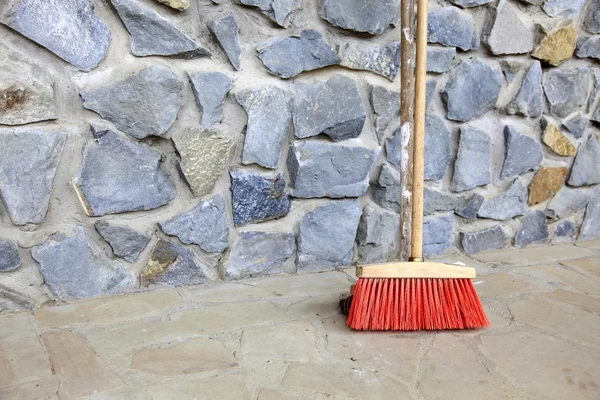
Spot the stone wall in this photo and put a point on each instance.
(146, 144)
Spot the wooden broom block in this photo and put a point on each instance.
(415, 270)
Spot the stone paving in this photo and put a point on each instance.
(283, 338)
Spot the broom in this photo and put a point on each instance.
(415, 295)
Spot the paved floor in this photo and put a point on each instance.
(282, 338)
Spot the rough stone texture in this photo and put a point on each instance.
(472, 90)
(205, 225)
(533, 229)
(493, 238)
(591, 224)
(472, 165)
(154, 35)
(557, 45)
(591, 19)
(521, 153)
(566, 89)
(141, 105)
(319, 169)
(434, 201)
(9, 256)
(204, 155)
(120, 175)
(377, 236)
(258, 253)
(386, 190)
(180, 5)
(546, 182)
(332, 107)
(508, 205)
(586, 170)
(594, 97)
(566, 8)
(279, 11)
(361, 16)
(383, 60)
(438, 235)
(125, 242)
(393, 148)
(451, 27)
(226, 31)
(386, 107)
(576, 123)
(588, 47)
(210, 89)
(257, 197)
(68, 28)
(558, 141)
(568, 201)
(439, 59)
(506, 32)
(74, 267)
(288, 56)
(269, 115)
(469, 208)
(529, 100)
(172, 264)
(566, 229)
(29, 159)
(470, 3)
(98, 130)
(438, 148)
(326, 235)
(430, 91)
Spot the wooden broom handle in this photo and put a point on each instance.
(419, 133)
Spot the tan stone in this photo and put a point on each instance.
(110, 310)
(222, 387)
(588, 266)
(268, 394)
(502, 284)
(78, 368)
(316, 307)
(557, 45)
(176, 4)
(590, 244)
(562, 276)
(535, 255)
(558, 141)
(45, 389)
(585, 302)
(546, 183)
(542, 366)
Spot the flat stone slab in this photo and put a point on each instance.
(585, 169)
(74, 267)
(141, 105)
(565, 230)
(533, 229)
(210, 89)
(506, 206)
(438, 235)
(591, 223)
(557, 45)
(68, 28)
(226, 31)
(470, 3)
(486, 239)
(472, 165)
(468, 208)
(120, 175)
(452, 27)
(434, 201)
(569, 200)
(566, 8)
(566, 89)
(288, 56)
(383, 60)
(29, 159)
(506, 32)
(279, 11)
(332, 107)
(438, 148)
(576, 123)
(386, 190)
(529, 99)
(439, 59)
(179, 5)
(125, 242)
(377, 235)
(315, 169)
(357, 15)
(10, 259)
(521, 153)
(557, 140)
(591, 18)
(546, 182)
(386, 107)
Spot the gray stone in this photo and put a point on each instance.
(566, 89)
(326, 235)
(469, 208)
(269, 115)
(257, 197)
(9, 256)
(210, 89)
(125, 242)
(586, 167)
(377, 237)
(438, 235)
(288, 56)
(205, 225)
(533, 229)
(74, 267)
(508, 205)
(472, 90)
(226, 31)
(434, 201)
(568, 201)
(576, 123)
(361, 16)
(470, 3)
(506, 33)
(28, 161)
(258, 254)
(530, 2)
(386, 107)
(529, 99)
(588, 47)
(511, 69)
(141, 105)
(386, 190)
(26, 90)
(430, 90)
(591, 223)
(319, 169)
(566, 8)
(98, 130)
(439, 59)
(521, 153)
(172, 264)
(438, 148)
(279, 11)
(68, 28)
(332, 107)
(594, 97)
(154, 35)
(566, 229)
(472, 165)
(486, 239)
(120, 175)
(453, 28)
(591, 18)
(383, 60)
(393, 147)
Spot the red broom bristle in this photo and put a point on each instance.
(410, 304)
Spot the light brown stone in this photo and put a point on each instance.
(316, 307)
(78, 368)
(502, 284)
(534, 255)
(45, 389)
(585, 302)
(222, 387)
(557, 45)
(558, 141)
(268, 394)
(563, 276)
(590, 244)
(545, 183)
(588, 266)
(176, 4)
